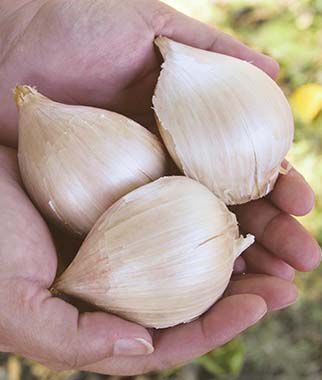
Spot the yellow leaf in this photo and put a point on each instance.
(306, 101)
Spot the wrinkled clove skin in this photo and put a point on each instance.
(160, 256)
(225, 122)
(77, 161)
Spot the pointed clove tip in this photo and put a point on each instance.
(54, 291)
(163, 43)
(243, 243)
(22, 93)
(56, 286)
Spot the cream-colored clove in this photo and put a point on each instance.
(224, 121)
(76, 161)
(160, 256)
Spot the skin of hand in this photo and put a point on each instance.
(101, 53)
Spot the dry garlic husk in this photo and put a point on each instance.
(161, 255)
(224, 121)
(76, 161)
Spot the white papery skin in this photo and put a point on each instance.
(77, 161)
(224, 121)
(161, 255)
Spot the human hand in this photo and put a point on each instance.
(87, 54)
(51, 331)
(97, 53)
(282, 244)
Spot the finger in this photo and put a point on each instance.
(53, 332)
(260, 260)
(280, 234)
(276, 292)
(292, 194)
(9, 164)
(184, 29)
(180, 344)
(240, 265)
(23, 233)
(36, 324)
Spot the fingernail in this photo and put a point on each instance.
(132, 347)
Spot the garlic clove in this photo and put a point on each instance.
(160, 256)
(224, 121)
(76, 161)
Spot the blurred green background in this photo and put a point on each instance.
(287, 345)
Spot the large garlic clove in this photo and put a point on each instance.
(76, 161)
(224, 121)
(161, 255)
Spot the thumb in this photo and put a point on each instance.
(170, 23)
(53, 332)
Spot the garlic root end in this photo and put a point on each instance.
(286, 170)
(163, 45)
(242, 244)
(22, 93)
(54, 291)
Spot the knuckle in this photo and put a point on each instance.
(65, 362)
(55, 367)
(71, 362)
(70, 357)
(162, 20)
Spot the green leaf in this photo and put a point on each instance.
(224, 361)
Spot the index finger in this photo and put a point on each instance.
(292, 194)
(189, 31)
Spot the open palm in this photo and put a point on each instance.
(101, 54)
